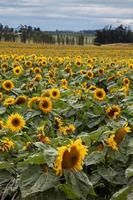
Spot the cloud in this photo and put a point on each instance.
(66, 14)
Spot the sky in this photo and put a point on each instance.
(72, 15)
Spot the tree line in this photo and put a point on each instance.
(110, 35)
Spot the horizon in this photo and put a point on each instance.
(63, 15)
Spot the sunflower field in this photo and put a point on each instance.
(66, 123)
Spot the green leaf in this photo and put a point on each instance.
(5, 165)
(37, 158)
(34, 180)
(129, 171)
(80, 183)
(2, 110)
(121, 194)
(69, 192)
(94, 158)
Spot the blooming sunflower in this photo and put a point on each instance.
(15, 122)
(9, 101)
(45, 104)
(8, 85)
(54, 93)
(113, 111)
(120, 133)
(111, 142)
(99, 94)
(70, 157)
(17, 70)
(90, 74)
(38, 77)
(126, 81)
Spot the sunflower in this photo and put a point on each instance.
(120, 133)
(28, 63)
(15, 122)
(37, 70)
(45, 104)
(78, 63)
(38, 77)
(17, 70)
(101, 71)
(126, 81)
(113, 111)
(4, 67)
(54, 93)
(8, 85)
(45, 93)
(89, 74)
(99, 94)
(33, 102)
(43, 138)
(110, 141)
(70, 157)
(1, 96)
(9, 101)
(20, 100)
(6, 145)
(64, 83)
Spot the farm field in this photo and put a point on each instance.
(66, 122)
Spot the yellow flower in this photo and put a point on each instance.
(1, 124)
(38, 77)
(45, 104)
(121, 132)
(126, 81)
(111, 142)
(64, 83)
(15, 122)
(6, 145)
(54, 93)
(8, 85)
(17, 70)
(58, 122)
(21, 100)
(113, 111)
(70, 157)
(99, 94)
(9, 101)
(33, 102)
(89, 74)
(43, 138)
(27, 145)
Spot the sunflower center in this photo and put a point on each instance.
(54, 93)
(16, 122)
(8, 85)
(112, 112)
(99, 94)
(70, 158)
(45, 104)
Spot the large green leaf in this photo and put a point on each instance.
(129, 171)
(34, 180)
(121, 194)
(80, 184)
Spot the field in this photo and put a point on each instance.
(66, 122)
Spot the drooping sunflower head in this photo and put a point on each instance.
(45, 104)
(70, 157)
(33, 102)
(54, 93)
(120, 133)
(15, 122)
(6, 145)
(113, 111)
(8, 85)
(99, 94)
(21, 100)
(38, 77)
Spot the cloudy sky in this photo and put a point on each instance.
(66, 14)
